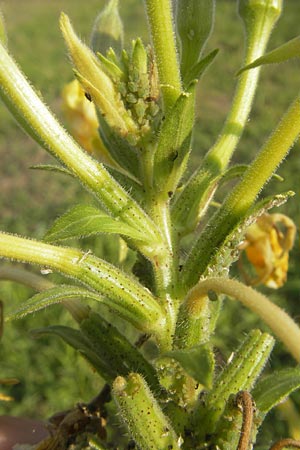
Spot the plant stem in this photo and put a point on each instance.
(278, 320)
(121, 293)
(161, 27)
(201, 186)
(242, 197)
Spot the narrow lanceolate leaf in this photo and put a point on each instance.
(146, 422)
(111, 347)
(76, 340)
(285, 52)
(194, 22)
(52, 168)
(51, 297)
(120, 149)
(86, 220)
(274, 388)
(196, 71)
(174, 143)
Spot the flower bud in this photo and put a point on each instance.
(96, 83)
(194, 21)
(249, 10)
(108, 29)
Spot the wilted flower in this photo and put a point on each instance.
(267, 245)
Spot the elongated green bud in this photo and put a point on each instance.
(146, 422)
(248, 9)
(108, 29)
(96, 82)
(139, 57)
(194, 22)
(240, 374)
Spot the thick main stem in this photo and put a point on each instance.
(278, 320)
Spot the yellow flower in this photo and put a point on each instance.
(267, 245)
(81, 115)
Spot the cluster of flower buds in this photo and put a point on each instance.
(124, 89)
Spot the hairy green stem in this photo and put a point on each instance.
(278, 320)
(190, 205)
(161, 27)
(242, 197)
(132, 301)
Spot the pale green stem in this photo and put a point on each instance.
(257, 36)
(162, 32)
(203, 183)
(165, 263)
(121, 293)
(237, 204)
(20, 96)
(278, 320)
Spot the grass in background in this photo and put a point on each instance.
(52, 376)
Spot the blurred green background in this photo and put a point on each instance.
(51, 376)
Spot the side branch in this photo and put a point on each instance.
(278, 320)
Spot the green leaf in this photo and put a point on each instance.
(76, 340)
(51, 297)
(198, 362)
(194, 23)
(119, 148)
(111, 346)
(52, 168)
(274, 388)
(285, 52)
(198, 69)
(86, 220)
(174, 143)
